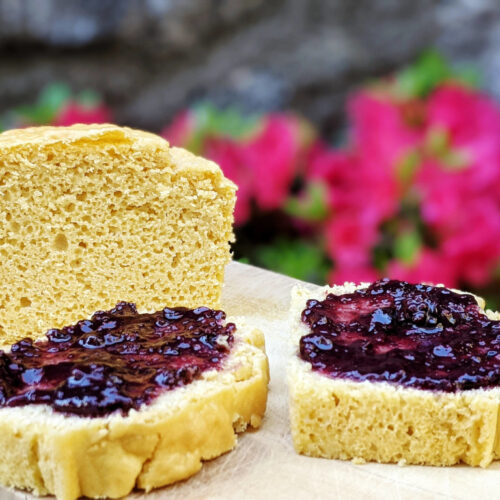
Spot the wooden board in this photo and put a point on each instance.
(264, 463)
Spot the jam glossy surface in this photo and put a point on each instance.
(412, 335)
(115, 361)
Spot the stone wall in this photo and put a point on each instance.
(151, 57)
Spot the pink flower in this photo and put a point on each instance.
(230, 156)
(272, 156)
(361, 197)
(73, 112)
(473, 244)
(461, 205)
(430, 267)
(180, 130)
(469, 116)
(381, 132)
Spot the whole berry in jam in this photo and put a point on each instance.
(412, 335)
(115, 361)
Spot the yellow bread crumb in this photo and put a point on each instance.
(94, 214)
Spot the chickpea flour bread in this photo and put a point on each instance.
(125, 399)
(91, 215)
(394, 372)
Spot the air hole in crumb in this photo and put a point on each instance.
(69, 207)
(15, 227)
(60, 242)
(409, 431)
(24, 302)
(81, 196)
(82, 244)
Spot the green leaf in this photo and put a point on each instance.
(430, 70)
(53, 96)
(229, 122)
(311, 205)
(437, 141)
(407, 167)
(50, 100)
(297, 258)
(438, 144)
(419, 79)
(407, 246)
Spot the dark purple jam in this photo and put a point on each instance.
(412, 335)
(115, 361)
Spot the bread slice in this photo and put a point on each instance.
(378, 421)
(166, 441)
(95, 214)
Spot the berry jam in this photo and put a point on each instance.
(115, 361)
(412, 335)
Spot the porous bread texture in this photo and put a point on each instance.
(69, 456)
(95, 214)
(378, 421)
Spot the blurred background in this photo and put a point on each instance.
(363, 136)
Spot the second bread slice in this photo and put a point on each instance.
(377, 421)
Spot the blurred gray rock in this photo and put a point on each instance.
(152, 57)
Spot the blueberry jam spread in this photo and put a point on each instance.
(413, 335)
(115, 361)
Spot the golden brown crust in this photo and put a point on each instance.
(376, 421)
(105, 132)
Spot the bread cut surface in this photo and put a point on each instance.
(95, 214)
(378, 421)
(48, 452)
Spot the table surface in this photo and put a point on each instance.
(264, 463)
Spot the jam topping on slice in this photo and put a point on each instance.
(413, 335)
(115, 361)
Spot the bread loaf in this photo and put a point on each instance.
(95, 214)
(385, 422)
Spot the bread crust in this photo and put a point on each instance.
(11, 139)
(70, 456)
(378, 421)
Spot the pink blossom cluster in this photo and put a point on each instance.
(442, 155)
(73, 112)
(262, 164)
(436, 158)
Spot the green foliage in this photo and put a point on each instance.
(431, 69)
(297, 258)
(309, 206)
(50, 100)
(212, 121)
(407, 246)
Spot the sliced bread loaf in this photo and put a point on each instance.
(367, 420)
(95, 214)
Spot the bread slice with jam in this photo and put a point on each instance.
(393, 372)
(126, 400)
